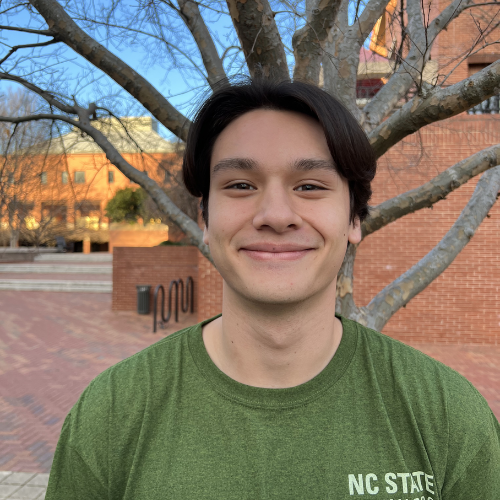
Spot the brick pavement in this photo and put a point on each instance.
(53, 344)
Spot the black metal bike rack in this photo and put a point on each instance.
(186, 304)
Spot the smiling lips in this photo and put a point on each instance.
(274, 251)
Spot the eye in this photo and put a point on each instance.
(240, 185)
(309, 187)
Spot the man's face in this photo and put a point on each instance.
(278, 211)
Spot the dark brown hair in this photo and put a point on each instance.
(351, 152)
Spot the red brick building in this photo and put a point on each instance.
(461, 305)
(70, 182)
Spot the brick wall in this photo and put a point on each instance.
(150, 266)
(453, 45)
(461, 305)
(210, 289)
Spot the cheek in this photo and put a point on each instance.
(332, 222)
(224, 220)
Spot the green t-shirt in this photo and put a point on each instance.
(382, 421)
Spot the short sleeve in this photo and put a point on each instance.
(481, 478)
(70, 475)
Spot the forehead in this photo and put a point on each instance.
(268, 136)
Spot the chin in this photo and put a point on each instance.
(277, 297)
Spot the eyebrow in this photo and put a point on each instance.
(302, 165)
(307, 164)
(235, 164)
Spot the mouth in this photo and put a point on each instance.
(275, 252)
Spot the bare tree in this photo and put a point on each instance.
(312, 41)
(20, 171)
(33, 204)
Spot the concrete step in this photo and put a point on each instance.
(54, 276)
(57, 268)
(56, 285)
(75, 257)
(22, 254)
(35, 250)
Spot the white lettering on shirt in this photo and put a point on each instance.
(395, 482)
(391, 487)
(418, 475)
(428, 483)
(358, 484)
(404, 479)
(369, 488)
(414, 487)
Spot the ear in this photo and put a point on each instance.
(205, 235)
(354, 235)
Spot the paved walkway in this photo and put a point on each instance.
(53, 344)
(23, 485)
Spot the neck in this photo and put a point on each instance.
(274, 346)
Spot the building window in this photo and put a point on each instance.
(54, 212)
(478, 62)
(111, 177)
(43, 177)
(64, 177)
(79, 177)
(88, 208)
(368, 88)
(88, 214)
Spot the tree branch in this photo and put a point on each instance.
(441, 21)
(67, 31)
(13, 7)
(28, 46)
(344, 303)
(309, 41)
(403, 289)
(410, 72)
(47, 96)
(431, 192)
(165, 204)
(260, 38)
(373, 11)
(481, 5)
(341, 59)
(27, 30)
(160, 38)
(435, 105)
(211, 60)
(37, 117)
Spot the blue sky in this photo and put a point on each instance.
(183, 89)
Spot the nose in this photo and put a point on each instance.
(275, 210)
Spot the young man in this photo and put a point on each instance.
(278, 398)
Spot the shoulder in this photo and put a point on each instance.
(405, 364)
(424, 392)
(128, 386)
(157, 356)
(431, 388)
